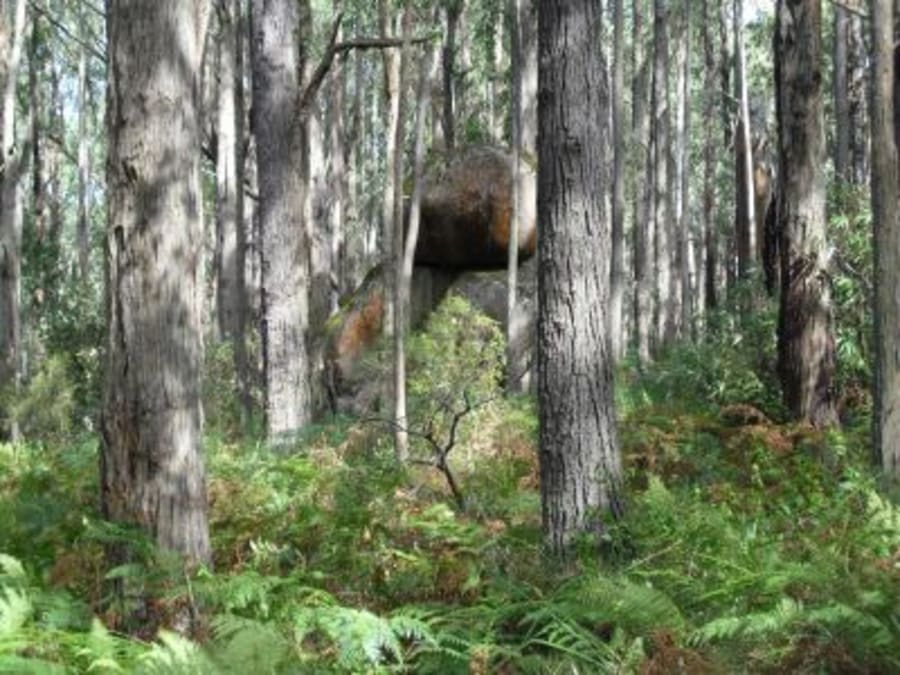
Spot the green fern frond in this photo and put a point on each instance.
(11, 567)
(247, 646)
(15, 611)
(175, 655)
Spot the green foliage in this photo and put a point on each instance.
(744, 548)
(454, 364)
(850, 231)
(733, 364)
(44, 407)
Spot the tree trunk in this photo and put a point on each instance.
(744, 194)
(405, 265)
(839, 64)
(686, 229)
(280, 147)
(642, 227)
(662, 213)
(725, 74)
(152, 472)
(452, 10)
(401, 436)
(391, 62)
(229, 259)
(338, 156)
(806, 342)
(36, 104)
(528, 74)
(886, 244)
(617, 263)
(580, 465)
(710, 227)
(231, 240)
(857, 95)
(12, 35)
(83, 229)
(513, 381)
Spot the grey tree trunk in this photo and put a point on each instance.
(405, 265)
(806, 341)
(83, 228)
(686, 247)
(401, 435)
(152, 472)
(391, 63)
(580, 465)
(528, 74)
(231, 236)
(339, 194)
(229, 256)
(617, 263)
(839, 63)
(724, 74)
(513, 381)
(36, 105)
(886, 226)
(662, 213)
(279, 131)
(452, 9)
(642, 228)
(12, 35)
(744, 194)
(710, 227)
(858, 95)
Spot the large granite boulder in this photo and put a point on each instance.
(462, 249)
(466, 211)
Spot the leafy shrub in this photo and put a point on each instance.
(44, 407)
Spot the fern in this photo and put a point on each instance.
(248, 646)
(174, 655)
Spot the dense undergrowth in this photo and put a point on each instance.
(749, 545)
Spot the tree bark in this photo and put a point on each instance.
(36, 104)
(662, 196)
(886, 241)
(401, 435)
(12, 36)
(857, 65)
(744, 194)
(642, 227)
(409, 241)
(452, 10)
(229, 256)
(528, 75)
(391, 63)
(806, 342)
(617, 262)
(231, 239)
(280, 146)
(339, 196)
(687, 268)
(710, 227)
(839, 64)
(580, 465)
(152, 472)
(83, 229)
(513, 381)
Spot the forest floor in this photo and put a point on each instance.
(748, 546)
